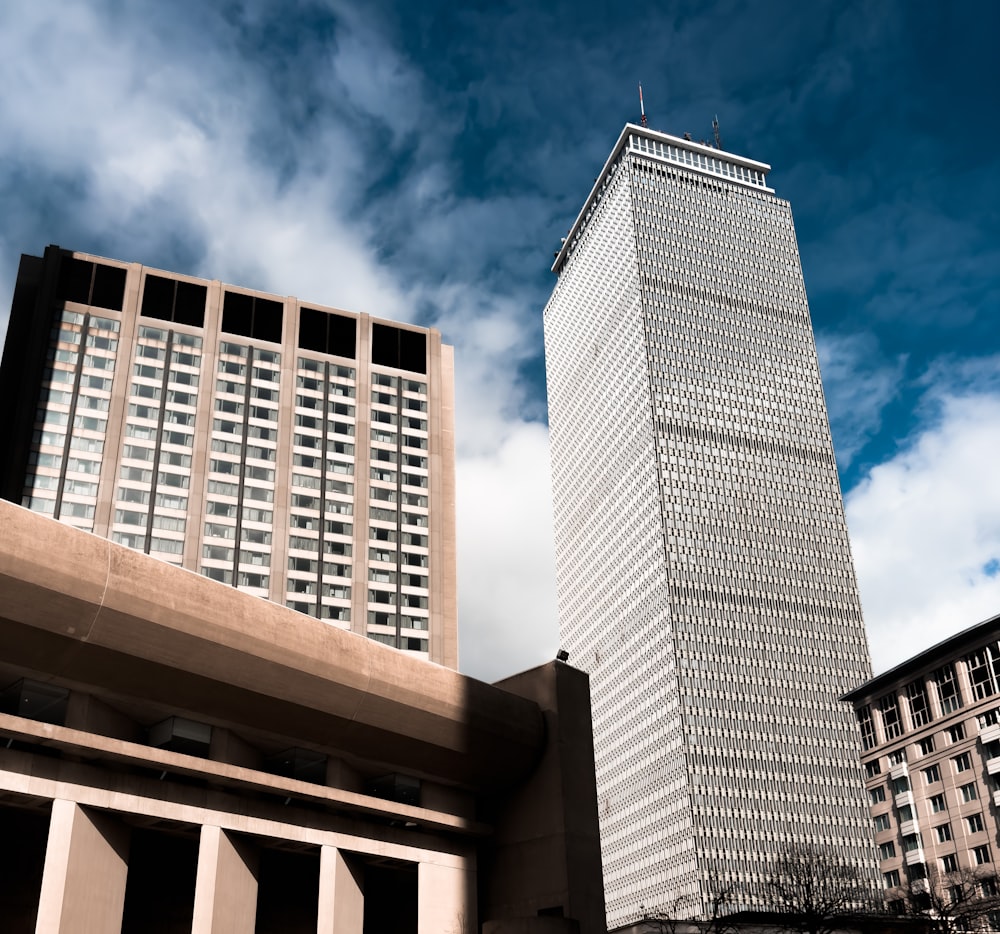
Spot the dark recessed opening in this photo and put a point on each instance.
(312, 330)
(396, 347)
(173, 300)
(189, 306)
(249, 316)
(158, 298)
(237, 314)
(90, 283)
(109, 287)
(75, 277)
(36, 701)
(328, 333)
(267, 320)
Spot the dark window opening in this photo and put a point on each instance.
(396, 347)
(328, 333)
(249, 316)
(303, 764)
(91, 283)
(395, 787)
(36, 701)
(173, 300)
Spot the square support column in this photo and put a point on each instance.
(86, 863)
(341, 894)
(446, 900)
(225, 892)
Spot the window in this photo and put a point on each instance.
(926, 745)
(872, 768)
(982, 854)
(962, 763)
(937, 804)
(881, 822)
(984, 670)
(931, 774)
(905, 813)
(969, 792)
(897, 758)
(947, 688)
(949, 863)
(887, 851)
(891, 879)
(975, 823)
(943, 833)
(911, 842)
(877, 795)
(956, 733)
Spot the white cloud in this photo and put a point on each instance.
(858, 384)
(925, 530)
(506, 563)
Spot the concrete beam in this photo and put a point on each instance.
(95, 613)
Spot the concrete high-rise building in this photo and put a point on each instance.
(930, 729)
(704, 572)
(297, 452)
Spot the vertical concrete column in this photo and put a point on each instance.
(446, 900)
(86, 862)
(225, 892)
(341, 894)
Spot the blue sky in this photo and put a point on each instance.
(421, 161)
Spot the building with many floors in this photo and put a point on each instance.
(297, 452)
(704, 573)
(930, 730)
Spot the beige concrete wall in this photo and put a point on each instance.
(86, 862)
(341, 894)
(225, 894)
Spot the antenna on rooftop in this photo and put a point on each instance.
(642, 107)
(715, 130)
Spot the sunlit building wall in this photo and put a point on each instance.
(300, 453)
(704, 572)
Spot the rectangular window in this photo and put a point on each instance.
(911, 842)
(982, 854)
(956, 733)
(891, 879)
(943, 833)
(891, 724)
(969, 792)
(975, 823)
(937, 804)
(947, 688)
(886, 851)
(962, 763)
(926, 745)
(949, 863)
(931, 774)
(881, 822)
(897, 758)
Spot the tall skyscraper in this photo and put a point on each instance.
(300, 453)
(704, 572)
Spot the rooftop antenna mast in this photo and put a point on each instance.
(715, 130)
(642, 107)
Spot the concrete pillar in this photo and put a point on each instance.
(225, 891)
(86, 862)
(341, 894)
(446, 900)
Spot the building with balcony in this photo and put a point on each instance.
(177, 756)
(296, 452)
(930, 731)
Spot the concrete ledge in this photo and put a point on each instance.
(94, 613)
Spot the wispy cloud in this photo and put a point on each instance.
(859, 383)
(925, 528)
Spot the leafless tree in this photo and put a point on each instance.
(813, 891)
(965, 900)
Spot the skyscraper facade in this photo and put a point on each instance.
(704, 572)
(300, 453)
